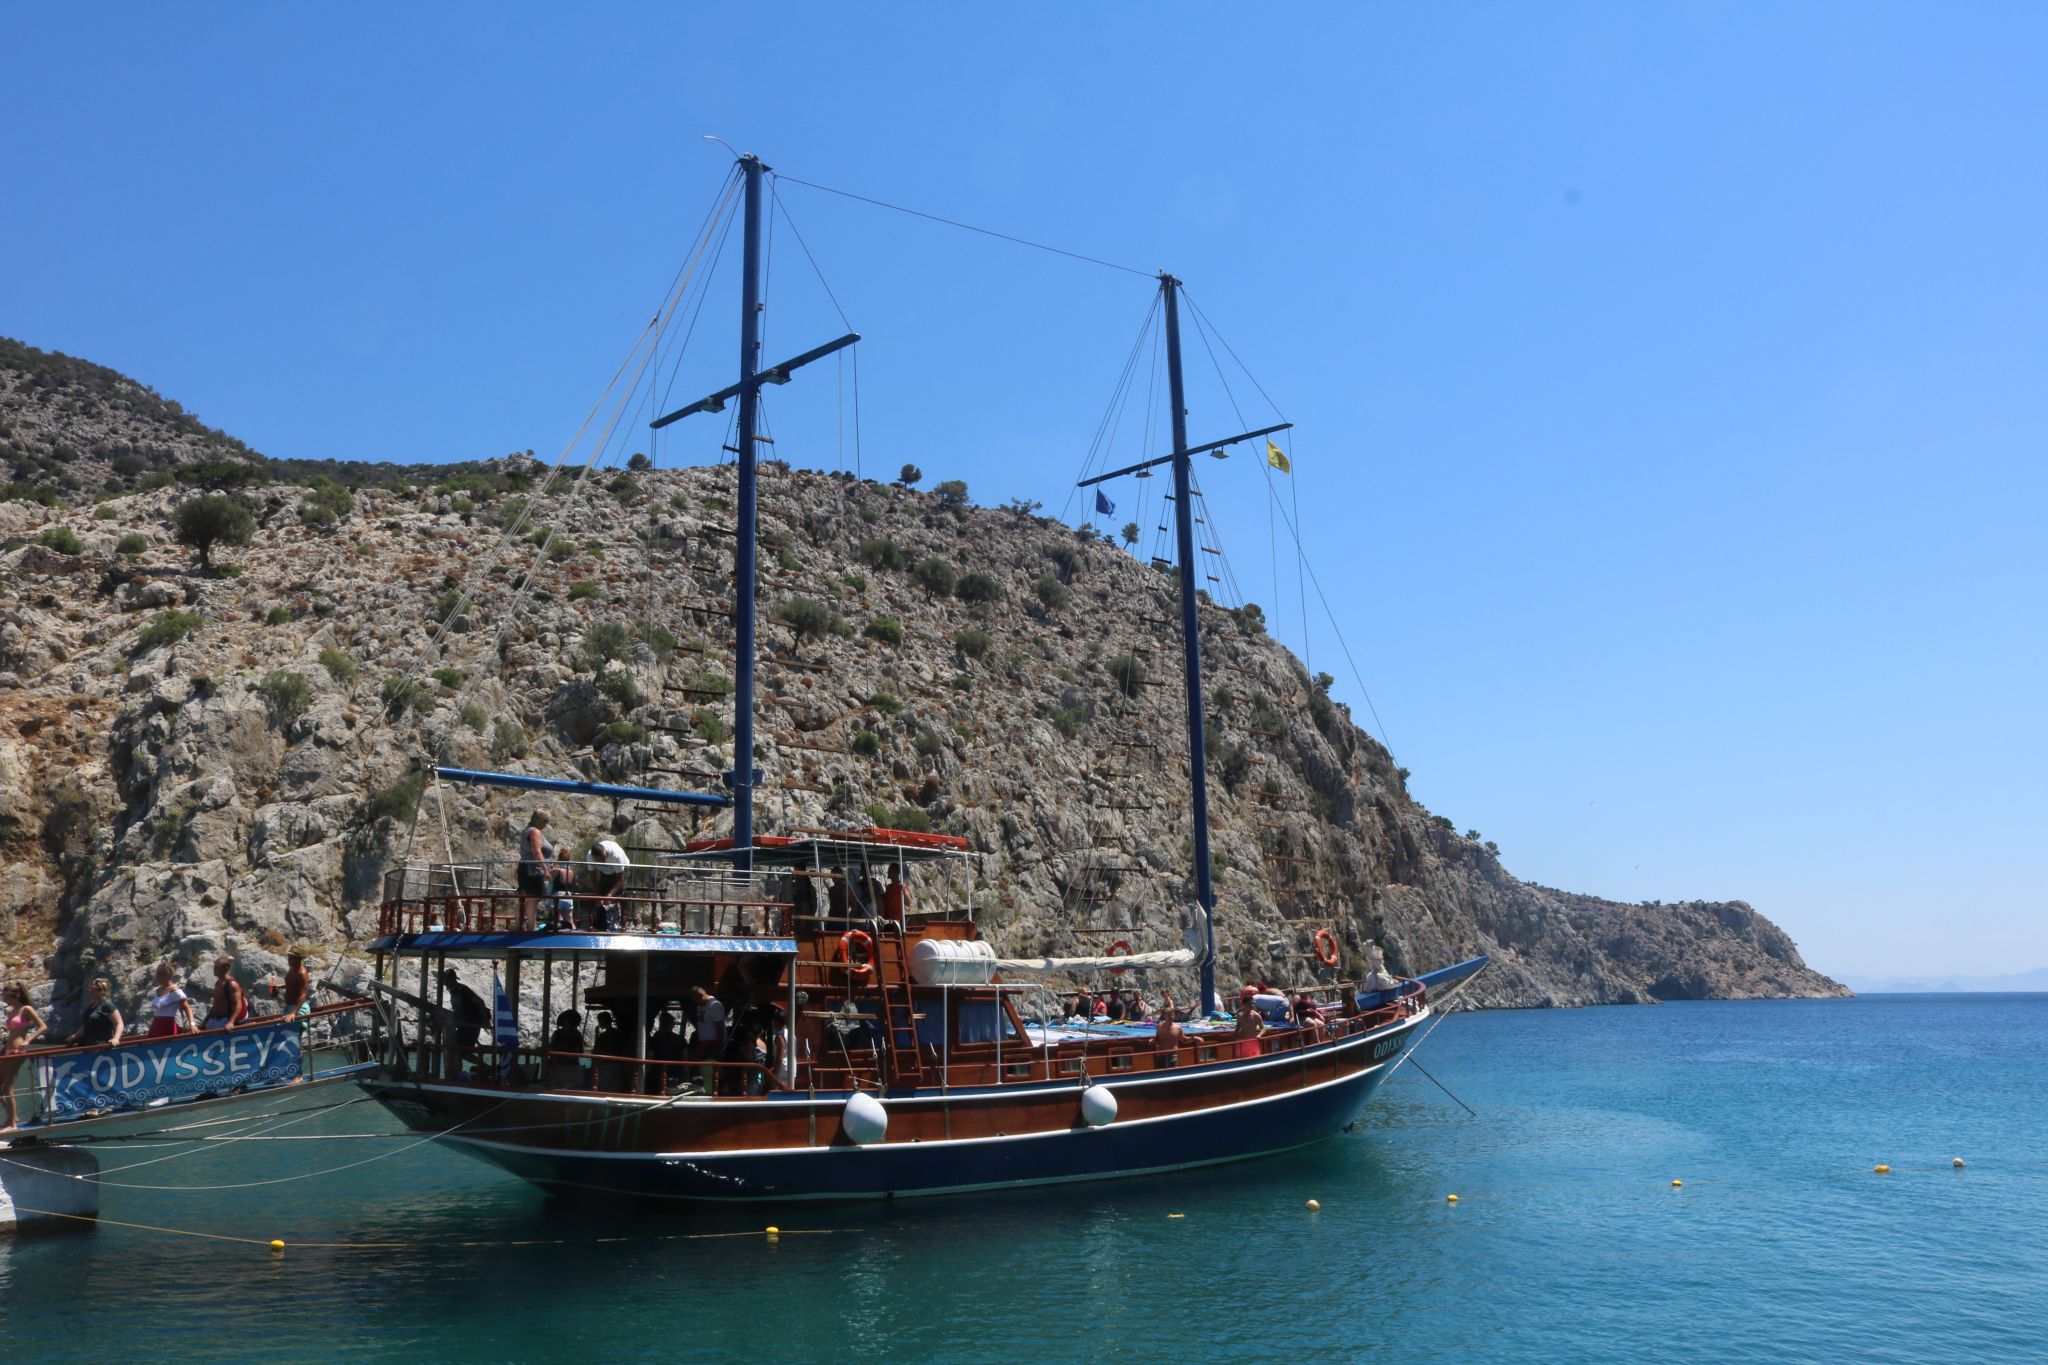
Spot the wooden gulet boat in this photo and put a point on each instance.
(880, 1054)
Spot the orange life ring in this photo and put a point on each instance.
(862, 966)
(1118, 948)
(1326, 948)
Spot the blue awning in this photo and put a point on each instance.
(541, 941)
(607, 790)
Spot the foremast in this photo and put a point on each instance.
(744, 776)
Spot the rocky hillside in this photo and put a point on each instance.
(192, 760)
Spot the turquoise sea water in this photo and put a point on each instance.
(1568, 1242)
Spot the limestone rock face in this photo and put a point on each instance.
(247, 786)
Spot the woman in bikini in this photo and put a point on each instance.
(24, 1026)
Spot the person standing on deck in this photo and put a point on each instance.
(710, 1039)
(102, 1021)
(1166, 1035)
(470, 1015)
(298, 986)
(1250, 1023)
(803, 898)
(892, 895)
(24, 1026)
(536, 867)
(230, 1005)
(612, 863)
(168, 1006)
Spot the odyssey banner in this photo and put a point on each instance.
(175, 1068)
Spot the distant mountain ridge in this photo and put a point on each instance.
(2035, 980)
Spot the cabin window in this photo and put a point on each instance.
(1071, 1067)
(1017, 1071)
(1121, 1062)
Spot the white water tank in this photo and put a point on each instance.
(952, 962)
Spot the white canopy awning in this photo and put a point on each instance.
(1178, 957)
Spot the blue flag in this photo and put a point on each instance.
(507, 1031)
(1104, 505)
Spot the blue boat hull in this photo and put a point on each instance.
(1209, 1136)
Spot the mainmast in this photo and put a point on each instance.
(745, 777)
(1182, 460)
(1190, 637)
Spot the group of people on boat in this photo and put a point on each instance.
(545, 876)
(102, 1023)
(851, 894)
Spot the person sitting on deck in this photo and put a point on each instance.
(469, 1016)
(1308, 1015)
(1082, 1011)
(1137, 1012)
(1113, 1009)
(612, 862)
(1250, 1023)
(536, 868)
(564, 1069)
(610, 1045)
(230, 1004)
(665, 1045)
(892, 895)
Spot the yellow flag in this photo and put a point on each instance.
(1275, 458)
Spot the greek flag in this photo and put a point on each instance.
(506, 1033)
(1104, 505)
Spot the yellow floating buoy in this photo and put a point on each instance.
(1956, 1162)
(1313, 1205)
(1176, 1215)
(277, 1246)
(1677, 1184)
(1450, 1199)
(1881, 1170)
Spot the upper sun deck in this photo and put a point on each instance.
(689, 901)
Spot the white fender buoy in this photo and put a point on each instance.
(865, 1120)
(1098, 1106)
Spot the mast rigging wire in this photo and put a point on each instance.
(967, 227)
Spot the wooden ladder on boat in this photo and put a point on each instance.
(899, 1017)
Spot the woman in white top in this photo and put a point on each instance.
(169, 1011)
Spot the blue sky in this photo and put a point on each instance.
(1667, 379)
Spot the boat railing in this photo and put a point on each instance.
(330, 1028)
(485, 897)
(552, 1071)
